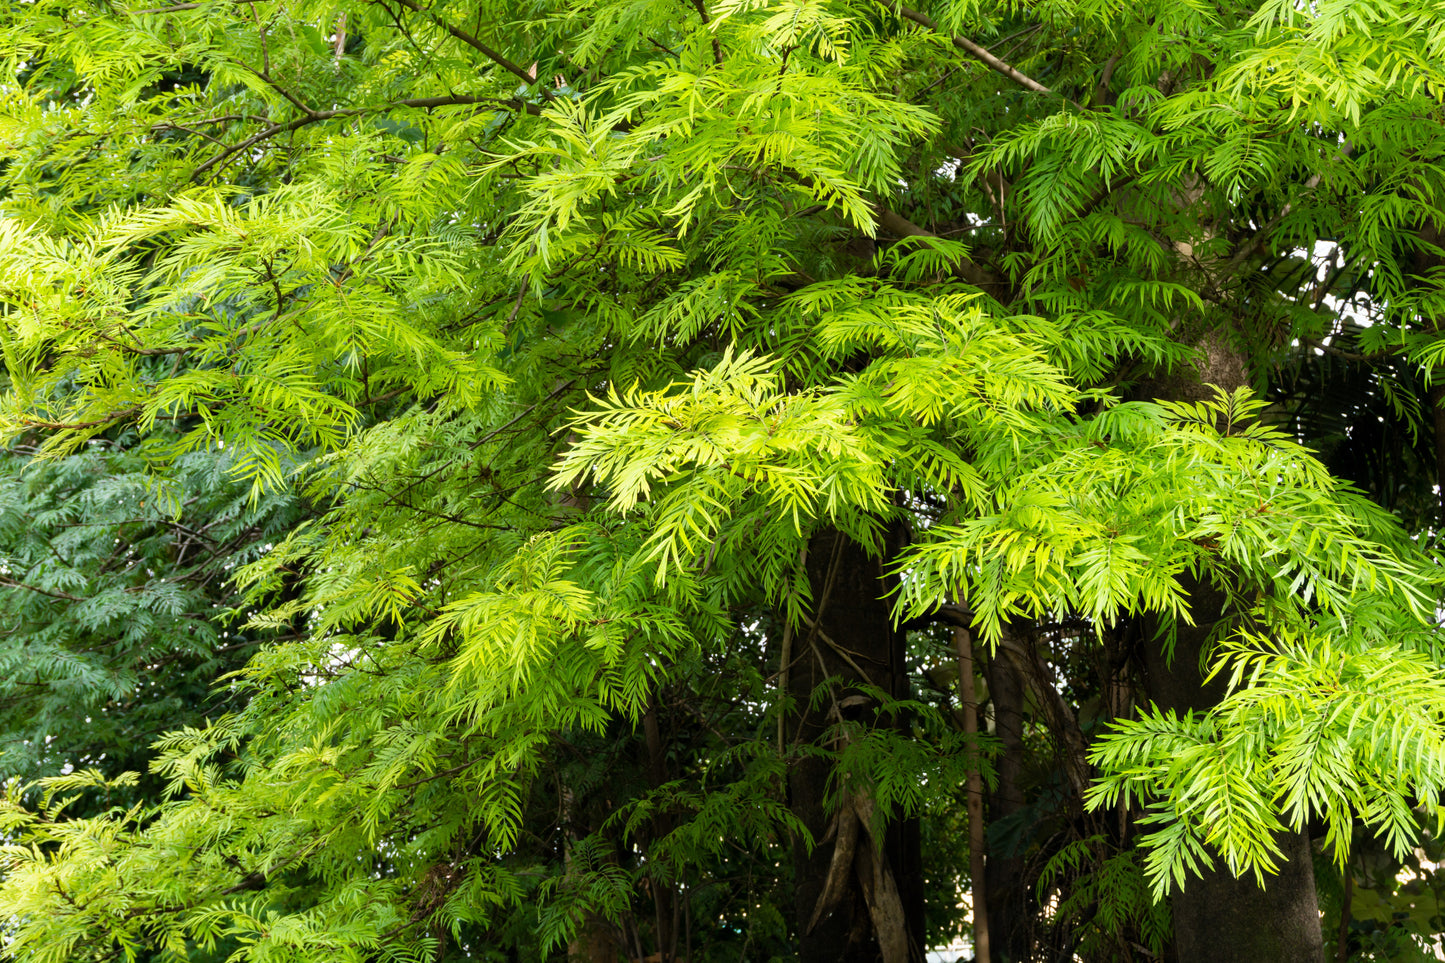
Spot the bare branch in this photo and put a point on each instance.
(980, 53)
(471, 41)
(891, 222)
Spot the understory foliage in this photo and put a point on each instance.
(418, 414)
(118, 606)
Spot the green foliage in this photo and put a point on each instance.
(1338, 729)
(119, 616)
(1103, 896)
(566, 326)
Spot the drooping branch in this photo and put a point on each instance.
(1258, 240)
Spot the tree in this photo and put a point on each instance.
(117, 602)
(690, 396)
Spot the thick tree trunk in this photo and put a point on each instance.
(853, 903)
(1218, 916)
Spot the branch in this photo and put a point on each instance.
(1350, 355)
(187, 130)
(144, 351)
(63, 596)
(223, 119)
(1101, 92)
(1256, 243)
(459, 100)
(177, 8)
(436, 775)
(269, 132)
(477, 45)
(1061, 718)
(950, 613)
(109, 419)
(314, 116)
(891, 222)
(898, 225)
(258, 878)
(265, 74)
(701, 9)
(979, 53)
(522, 414)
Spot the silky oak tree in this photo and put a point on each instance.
(685, 398)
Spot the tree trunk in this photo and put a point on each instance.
(593, 940)
(1218, 916)
(853, 902)
(977, 848)
(1009, 903)
(664, 896)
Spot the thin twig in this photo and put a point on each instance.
(451, 100)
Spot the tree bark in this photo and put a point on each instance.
(978, 873)
(857, 896)
(1218, 916)
(1217, 913)
(664, 897)
(593, 941)
(1009, 894)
